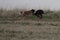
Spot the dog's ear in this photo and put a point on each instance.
(33, 10)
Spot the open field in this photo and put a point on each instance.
(30, 28)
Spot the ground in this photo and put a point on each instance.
(42, 29)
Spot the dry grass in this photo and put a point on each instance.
(14, 14)
(13, 27)
(30, 30)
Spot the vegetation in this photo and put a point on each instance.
(15, 14)
(13, 28)
(38, 24)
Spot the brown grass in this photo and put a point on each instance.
(14, 28)
(29, 30)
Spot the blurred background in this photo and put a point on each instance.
(29, 4)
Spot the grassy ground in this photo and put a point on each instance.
(29, 28)
(14, 14)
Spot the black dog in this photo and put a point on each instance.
(39, 13)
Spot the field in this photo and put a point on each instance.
(13, 27)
